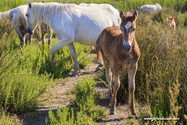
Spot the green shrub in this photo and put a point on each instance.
(19, 87)
(7, 120)
(84, 111)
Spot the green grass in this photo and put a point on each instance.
(9, 4)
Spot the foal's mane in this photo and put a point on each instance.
(129, 13)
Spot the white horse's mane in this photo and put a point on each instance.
(49, 9)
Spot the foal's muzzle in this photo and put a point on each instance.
(126, 48)
(29, 31)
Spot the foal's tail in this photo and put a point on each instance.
(98, 51)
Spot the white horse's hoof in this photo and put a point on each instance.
(74, 75)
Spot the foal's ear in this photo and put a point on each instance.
(167, 19)
(121, 14)
(135, 14)
(29, 4)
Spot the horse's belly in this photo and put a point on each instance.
(88, 37)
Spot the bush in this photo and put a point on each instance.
(7, 120)
(84, 111)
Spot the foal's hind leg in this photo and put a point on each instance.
(131, 78)
(108, 76)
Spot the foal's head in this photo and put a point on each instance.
(169, 20)
(128, 26)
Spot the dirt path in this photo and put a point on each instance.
(57, 96)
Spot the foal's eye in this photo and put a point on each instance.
(121, 28)
(133, 29)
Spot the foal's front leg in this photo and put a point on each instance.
(131, 78)
(115, 71)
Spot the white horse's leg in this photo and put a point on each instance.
(24, 37)
(64, 41)
(43, 36)
(72, 50)
(50, 35)
(28, 37)
(131, 78)
(20, 35)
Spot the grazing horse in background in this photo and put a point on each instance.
(17, 16)
(19, 22)
(71, 23)
(150, 8)
(119, 47)
(171, 22)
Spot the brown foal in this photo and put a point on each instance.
(118, 46)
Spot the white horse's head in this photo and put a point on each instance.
(32, 21)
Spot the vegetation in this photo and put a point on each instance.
(84, 111)
(160, 79)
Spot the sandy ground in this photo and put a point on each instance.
(57, 96)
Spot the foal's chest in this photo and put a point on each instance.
(128, 60)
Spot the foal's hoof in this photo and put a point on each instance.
(112, 113)
(136, 116)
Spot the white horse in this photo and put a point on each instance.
(88, 5)
(150, 8)
(71, 23)
(17, 16)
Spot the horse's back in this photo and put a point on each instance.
(95, 19)
(150, 8)
(19, 18)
